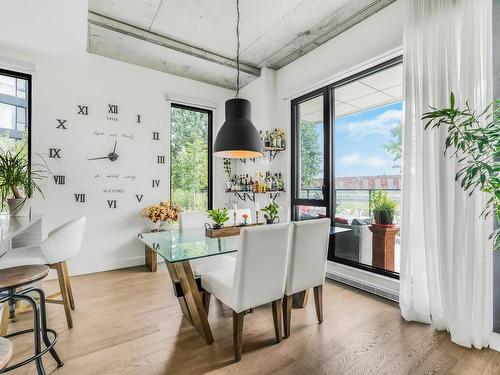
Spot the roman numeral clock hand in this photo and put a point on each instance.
(112, 156)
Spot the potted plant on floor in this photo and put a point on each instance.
(19, 179)
(383, 209)
(219, 217)
(271, 212)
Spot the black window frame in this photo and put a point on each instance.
(210, 114)
(328, 93)
(28, 78)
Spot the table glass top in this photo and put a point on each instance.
(175, 246)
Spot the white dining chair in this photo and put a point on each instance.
(239, 216)
(195, 221)
(257, 278)
(306, 265)
(61, 245)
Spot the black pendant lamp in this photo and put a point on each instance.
(238, 138)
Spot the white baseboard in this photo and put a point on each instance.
(383, 286)
(495, 341)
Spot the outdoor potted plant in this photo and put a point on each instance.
(219, 217)
(271, 212)
(165, 214)
(383, 209)
(18, 180)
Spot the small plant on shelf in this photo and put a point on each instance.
(245, 219)
(165, 213)
(219, 217)
(271, 212)
(383, 208)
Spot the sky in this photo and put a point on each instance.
(359, 139)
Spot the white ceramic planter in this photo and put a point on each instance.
(19, 206)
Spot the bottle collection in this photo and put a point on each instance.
(260, 183)
(274, 139)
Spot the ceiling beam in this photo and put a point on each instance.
(339, 21)
(136, 32)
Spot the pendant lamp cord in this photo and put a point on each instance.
(237, 48)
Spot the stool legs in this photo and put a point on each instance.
(66, 294)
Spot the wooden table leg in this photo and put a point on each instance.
(151, 259)
(182, 300)
(193, 300)
(300, 299)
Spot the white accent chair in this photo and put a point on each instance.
(194, 221)
(306, 265)
(62, 244)
(239, 216)
(257, 278)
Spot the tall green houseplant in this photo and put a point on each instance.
(473, 138)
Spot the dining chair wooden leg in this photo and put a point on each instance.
(206, 301)
(64, 293)
(300, 299)
(318, 302)
(238, 334)
(287, 313)
(68, 285)
(4, 321)
(278, 319)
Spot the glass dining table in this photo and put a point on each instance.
(178, 248)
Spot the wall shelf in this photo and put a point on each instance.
(272, 151)
(250, 195)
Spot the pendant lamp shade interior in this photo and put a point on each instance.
(238, 138)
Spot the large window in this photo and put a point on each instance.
(363, 114)
(191, 157)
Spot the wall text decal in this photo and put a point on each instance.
(113, 108)
(61, 123)
(83, 110)
(59, 179)
(156, 183)
(112, 203)
(54, 153)
(80, 198)
(139, 119)
(156, 136)
(160, 159)
(139, 197)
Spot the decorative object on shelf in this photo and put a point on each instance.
(262, 183)
(219, 217)
(275, 139)
(18, 180)
(245, 219)
(475, 139)
(257, 208)
(227, 167)
(238, 137)
(271, 213)
(383, 209)
(166, 214)
(235, 210)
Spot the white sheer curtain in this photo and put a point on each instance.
(446, 260)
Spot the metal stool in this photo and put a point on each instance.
(11, 279)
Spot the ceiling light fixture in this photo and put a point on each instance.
(238, 137)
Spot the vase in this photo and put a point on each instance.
(19, 206)
(163, 226)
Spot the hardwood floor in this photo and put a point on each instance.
(129, 322)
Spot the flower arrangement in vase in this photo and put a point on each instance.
(165, 213)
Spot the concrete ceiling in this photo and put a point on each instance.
(196, 38)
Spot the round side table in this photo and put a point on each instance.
(14, 278)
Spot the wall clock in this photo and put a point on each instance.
(114, 177)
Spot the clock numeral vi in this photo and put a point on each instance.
(59, 180)
(61, 123)
(54, 153)
(83, 110)
(139, 197)
(112, 108)
(156, 136)
(156, 246)
(160, 159)
(156, 183)
(112, 203)
(80, 198)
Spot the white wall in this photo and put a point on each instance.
(51, 35)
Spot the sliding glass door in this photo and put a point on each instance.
(363, 114)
